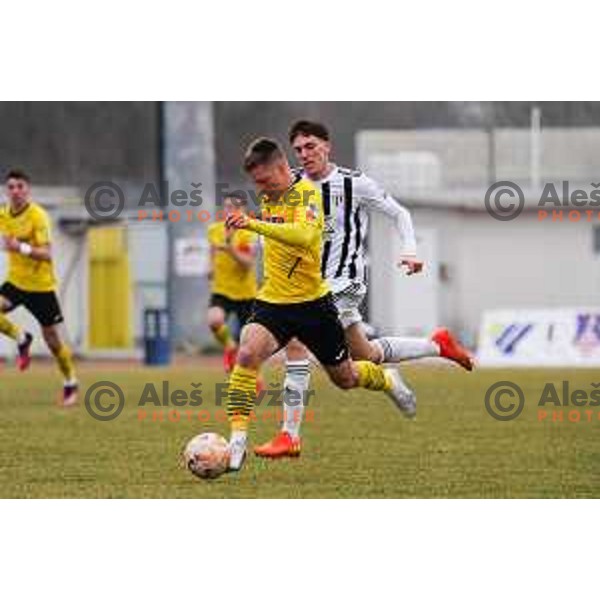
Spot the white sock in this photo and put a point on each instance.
(396, 349)
(237, 449)
(239, 436)
(295, 394)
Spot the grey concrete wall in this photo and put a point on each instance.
(521, 264)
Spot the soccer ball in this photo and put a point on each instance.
(207, 455)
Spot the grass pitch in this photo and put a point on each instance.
(357, 444)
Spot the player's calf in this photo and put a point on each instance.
(64, 360)
(257, 345)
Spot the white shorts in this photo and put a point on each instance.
(348, 303)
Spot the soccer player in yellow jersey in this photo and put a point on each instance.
(31, 281)
(233, 280)
(294, 300)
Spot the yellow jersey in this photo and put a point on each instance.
(293, 231)
(31, 226)
(229, 278)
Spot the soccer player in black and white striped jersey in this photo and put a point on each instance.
(348, 198)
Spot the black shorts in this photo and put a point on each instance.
(241, 308)
(44, 306)
(316, 324)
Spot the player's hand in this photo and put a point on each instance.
(11, 244)
(237, 221)
(412, 265)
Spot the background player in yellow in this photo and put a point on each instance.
(31, 281)
(294, 301)
(233, 280)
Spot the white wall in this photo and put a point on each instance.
(518, 264)
(148, 256)
(490, 264)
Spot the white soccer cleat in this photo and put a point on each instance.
(402, 396)
(237, 454)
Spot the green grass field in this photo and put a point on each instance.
(358, 445)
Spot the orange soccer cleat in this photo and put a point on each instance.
(283, 445)
(451, 349)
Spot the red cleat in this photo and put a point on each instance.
(24, 353)
(451, 349)
(229, 357)
(283, 445)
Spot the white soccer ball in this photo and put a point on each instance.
(207, 455)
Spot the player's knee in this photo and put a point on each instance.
(344, 379)
(247, 357)
(215, 322)
(374, 353)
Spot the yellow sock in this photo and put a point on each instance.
(372, 376)
(223, 335)
(64, 359)
(240, 397)
(8, 328)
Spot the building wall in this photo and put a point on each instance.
(76, 143)
(520, 264)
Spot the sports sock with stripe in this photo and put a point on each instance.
(295, 394)
(8, 328)
(240, 400)
(396, 349)
(223, 335)
(64, 360)
(372, 376)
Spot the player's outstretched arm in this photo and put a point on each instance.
(374, 198)
(299, 233)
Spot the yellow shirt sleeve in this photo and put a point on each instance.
(41, 229)
(303, 230)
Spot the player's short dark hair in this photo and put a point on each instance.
(305, 127)
(17, 174)
(262, 151)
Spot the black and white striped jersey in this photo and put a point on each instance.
(348, 198)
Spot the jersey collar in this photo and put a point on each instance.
(332, 169)
(16, 214)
